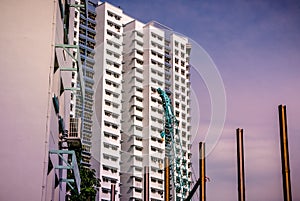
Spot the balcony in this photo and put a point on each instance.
(136, 131)
(134, 92)
(137, 103)
(137, 55)
(135, 152)
(156, 174)
(137, 122)
(136, 194)
(138, 45)
(157, 77)
(136, 73)
(137, 142)
(110, 162)
(135, 112)
(136, 162)
(138, 64)
(156, 124)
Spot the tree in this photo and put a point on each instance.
(89, 185)
(89, 182)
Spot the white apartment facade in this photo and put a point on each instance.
(180, 88)
(106, 128)
(132, 60)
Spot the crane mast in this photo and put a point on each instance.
(173, 146)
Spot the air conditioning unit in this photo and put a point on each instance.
(74, 135)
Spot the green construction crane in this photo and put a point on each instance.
(173, 147)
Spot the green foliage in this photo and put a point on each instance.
(89, 185)
(89, 182)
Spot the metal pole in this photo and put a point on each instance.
(112, 192)
(287, 192)
(202, 171)
(240, 164)
(146, 183)
(167, 179)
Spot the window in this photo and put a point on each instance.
(182, 54)
(139, 118)
(182, 72)
(182, 63)
(182, 46)
(139, 99)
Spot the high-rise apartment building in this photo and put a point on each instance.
(133, 59)
(106, 147)
(178, 57)
(84, 37)
(121, 62)
(154, 57)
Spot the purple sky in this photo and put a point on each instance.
(256, 48)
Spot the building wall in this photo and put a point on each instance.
(180, 88)
(108, 78)
(30, 78)
(84, 36)
(153, 114)
(132, 116)
(130, 64)
(26, 49)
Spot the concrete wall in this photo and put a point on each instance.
(29, 123)
(25, 58)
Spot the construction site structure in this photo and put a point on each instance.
(176, 163)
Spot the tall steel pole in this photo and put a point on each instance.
(240, 164)
(167, 179)
(287, 192)
(202, 171)
(112, 192)
(146, 183)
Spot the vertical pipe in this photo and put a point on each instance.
(202, 171)
(240, 164)
(112, 192)
(167, 179)
(287, 192)
(146, 183)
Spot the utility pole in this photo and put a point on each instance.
(167, 179)
(202, 178)
(285, 164)
(112, 192)
(240, 164)
(202, 171)
(146, 183)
